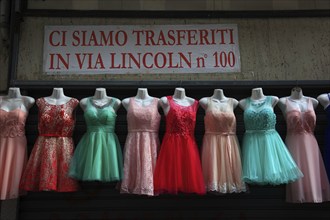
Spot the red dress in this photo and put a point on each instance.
(48, 165)
(178, 167)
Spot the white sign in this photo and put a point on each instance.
(117, 49)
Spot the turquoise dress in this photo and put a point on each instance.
(98, 156)
(266, 159)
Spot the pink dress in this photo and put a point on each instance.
(314, 186)
(140, 152)
(48, 165)
(221, 159)
(13, 154)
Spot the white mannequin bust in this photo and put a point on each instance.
(324, 100)
(218, 96)
(179, 97)
(100, 99)
(57, 97)
(256, 96)
(142, 97)
(298, 100)
(15, 100)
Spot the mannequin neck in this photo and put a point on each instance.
(296, 93)
(57, 93)
(218, 94)
(14, 92)
(179, 93)
(100, 93)
(142, 93)
(257, 94)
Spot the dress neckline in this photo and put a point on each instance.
(47, 103)
(182, 106)
(100, 107)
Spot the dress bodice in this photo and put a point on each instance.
(100, 118)
(181, 119)
(143, 118)
(56, 120)
(219, 117)
(298, 121)
(259, 116)
(12, 123)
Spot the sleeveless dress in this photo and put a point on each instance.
(48, 165)
(13, 153)
(266, 160)
(301, 142)
(221, 159)
(140, 152)
(327, 141)
(178, 167)
(98, 155)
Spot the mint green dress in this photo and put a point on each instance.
(98, 155)
(266, 159)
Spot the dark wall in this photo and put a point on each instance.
(103, 201)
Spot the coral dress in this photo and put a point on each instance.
(98, 155)
(301, 142)
(140, 152)
(221, 159)
(48, 165)
(266, 160)
(178, 167)
(327, 141)
(13, 154)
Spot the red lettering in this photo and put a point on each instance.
(138, 43)
(51, 39)
(144, 60)
(181, 35)
(149, 37)
(112, 66)
(106, 40)
(222, 36)
(203, 37)
(157, 62)
(170, 35)
(191, 36)
(75, 36)
(231, 36)
(123, 37)
(99, 61)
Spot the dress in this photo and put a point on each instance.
(266, 160)
(140, 152)
(178, 166)
(48, 165)
(98, 155)
(221, 159)
(301, 142)
(13, 154)
(327, 142)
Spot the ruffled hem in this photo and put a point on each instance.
(226, 188)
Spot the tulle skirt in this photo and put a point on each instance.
(48, 166)
(178, 167)
(314, 186)
(13, 158)
(221, 163)
(266, 160)
(98, 157)
(140, 155)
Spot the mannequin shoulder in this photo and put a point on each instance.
(242, 103)
(83, 103)
(163, 101)
(204, 102)
(28, 101)
(115, 103)
(125, 102)
(235, 102)
(314, 101)
(274, 100)
(324, 100)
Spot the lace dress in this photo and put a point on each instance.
(140, 152)
(178, 167)
(301, 142)
(221, 160)
(327, 141)
(48, 165)
(13, 155)
(98, 155)
(266, 160)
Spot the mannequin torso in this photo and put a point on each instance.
(324, 100)
(179, 97)
(219, 97)
(57, 97)
(14, 100)
(142, 98)
(100, 99)
(258, 96)
(298, 101)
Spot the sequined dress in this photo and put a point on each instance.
(178, 167)
(13, 154)
(221, 159)
(314, 186)
(48, 165)
(142, 144)
(98, 155)
(266, 159)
